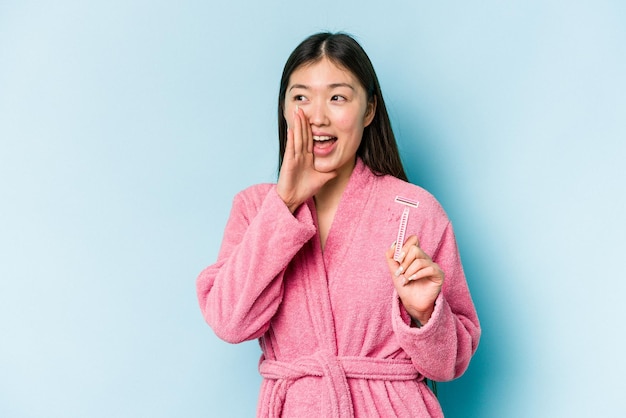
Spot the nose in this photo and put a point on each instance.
(317, 113)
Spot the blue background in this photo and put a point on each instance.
(127, 127)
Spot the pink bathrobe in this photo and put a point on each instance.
(335, 337)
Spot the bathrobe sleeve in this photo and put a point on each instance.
(242, 291)
(442, 348)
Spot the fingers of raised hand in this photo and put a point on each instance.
(303, 137)
(289, 146)
(412, 258)
(389, 254)
(307, 133)
(411, 241)
(410, 251)
(414, 263)
(422, 269)
(297, 133)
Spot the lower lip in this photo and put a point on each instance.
(323, 149)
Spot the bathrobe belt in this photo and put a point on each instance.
(334, 371)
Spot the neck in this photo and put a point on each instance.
(328, 197)
(326, 204)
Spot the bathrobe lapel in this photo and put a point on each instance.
(322, 264)
(352, 206)
(315, 287)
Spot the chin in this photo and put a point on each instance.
(324, 168)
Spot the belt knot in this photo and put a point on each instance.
(334, 372)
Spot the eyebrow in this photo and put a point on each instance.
(330, 86)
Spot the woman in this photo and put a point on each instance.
(306, 264)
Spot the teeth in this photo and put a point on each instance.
(322, 138)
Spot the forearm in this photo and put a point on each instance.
(442, 348)
(240, 293)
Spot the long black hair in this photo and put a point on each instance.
(378, 148)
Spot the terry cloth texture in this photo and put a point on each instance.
(335, 338)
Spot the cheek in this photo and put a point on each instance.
(349, 123)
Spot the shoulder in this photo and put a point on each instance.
(428, 221)
(390, 187)
(252, 197)
(255, 191)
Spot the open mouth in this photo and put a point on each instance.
(324, 141)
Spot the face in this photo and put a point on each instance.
(337, 109)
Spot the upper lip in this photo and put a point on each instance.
(316, 134)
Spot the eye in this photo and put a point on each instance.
(299, 98)
(338, 98)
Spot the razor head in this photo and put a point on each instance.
(407, 202)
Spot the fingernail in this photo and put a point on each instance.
(297, 108)
(393, 245)
(413, 277)
(399, 271)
